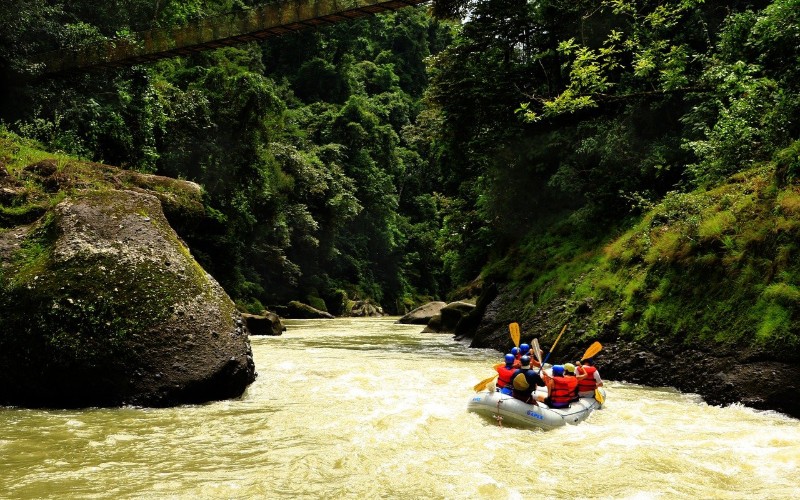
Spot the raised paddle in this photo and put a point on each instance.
(591, 351)
(537, 351)
(554, 346)
(513, 328)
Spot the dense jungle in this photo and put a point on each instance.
(629, 167)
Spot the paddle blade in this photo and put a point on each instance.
(537, 351)
(483, 383)
(514, 329)
(599, 396)
(592, 350)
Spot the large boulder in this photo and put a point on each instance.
(103, 305)
(267, 323)
(423, 314)
(449, 317)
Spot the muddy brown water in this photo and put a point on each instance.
(365, 408)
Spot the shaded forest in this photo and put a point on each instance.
(418, 154)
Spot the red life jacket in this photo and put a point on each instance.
(588, 383)
(563, 391)
(505, 375)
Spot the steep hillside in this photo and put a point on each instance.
(702, 293)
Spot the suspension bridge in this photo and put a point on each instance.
(254, 24)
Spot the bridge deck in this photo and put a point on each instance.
(255, 24)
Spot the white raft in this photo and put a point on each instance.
(509, 411)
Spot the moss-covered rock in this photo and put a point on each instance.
(298, 310)
(102, 305)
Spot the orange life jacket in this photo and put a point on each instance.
(563, 391)
(588, 383)
(505, 375)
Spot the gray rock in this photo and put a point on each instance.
(95, 303)
(267, 323)
(298, 310)
(422, 314)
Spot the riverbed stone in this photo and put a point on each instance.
(422, 314)
(298, 310)
(266, 323)
(98, 298)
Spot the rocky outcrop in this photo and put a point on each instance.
(449, 317)
(722, 375)
(103, 305)
(423, 314)
(266, 323)
(365, 309)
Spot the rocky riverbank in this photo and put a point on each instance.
(721, 374)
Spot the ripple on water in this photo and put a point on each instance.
(381, 412)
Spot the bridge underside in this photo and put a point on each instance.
(259, 23)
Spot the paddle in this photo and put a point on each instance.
(483, 383)
(554, 346)
(513, 328)
(591, 351)
(537, 351)
(598, 396)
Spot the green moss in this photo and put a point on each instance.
(784, 294)
(716, 267)
(317, 303)
(717, 224)
(86, 308)
(32, 259)
(775, 326)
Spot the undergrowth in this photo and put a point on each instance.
(720, 266)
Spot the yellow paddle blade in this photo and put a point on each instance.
(514, 329)
(483, 383)
(599, 396)
(592, 350)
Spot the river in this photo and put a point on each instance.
(365, 408)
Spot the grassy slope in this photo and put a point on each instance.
(716, 267)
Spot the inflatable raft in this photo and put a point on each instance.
(509, 411)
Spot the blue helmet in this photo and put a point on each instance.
(558, 370)
(510, 358)
(515, 351)
(525, 361)
(524, 348)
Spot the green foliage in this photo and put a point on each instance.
(383, 158)
(299, 145)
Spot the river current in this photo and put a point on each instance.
(365, 408)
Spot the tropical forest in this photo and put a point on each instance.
(624, 172)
